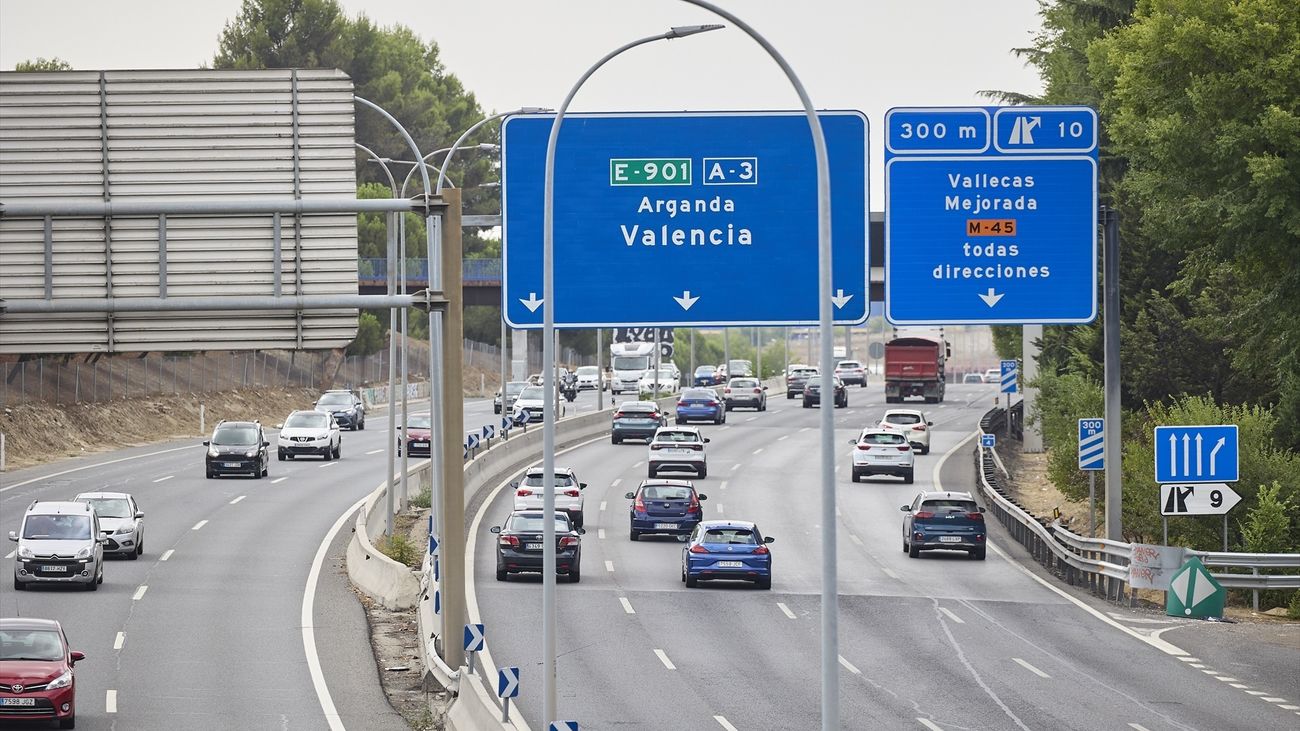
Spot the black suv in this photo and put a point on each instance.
(237, 447)
(347, 408)
(812, 391)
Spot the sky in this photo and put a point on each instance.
(868, 55)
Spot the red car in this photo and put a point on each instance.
(36, 679)
(417, 433)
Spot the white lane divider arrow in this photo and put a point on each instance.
(686, 300)
(840, 299)
(532, 303)
(992, 297)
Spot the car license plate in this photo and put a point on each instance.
(677, 451)
(532, 546)
(229, 464)
(17, 701)
(55, 569)
(419, 444)
(730, 564)
(665, 526)
(950, 539)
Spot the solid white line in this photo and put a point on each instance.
(1030, 668)
(11, 553)
(806, 428)
(167, 554)
(117, 641)
(110, 701)
(724, 723)
(199, 525)
(609, 566)
(602, 505)
(786, 609)
(890, 573)
(952, 616)
(89, 467)
(664, 659)
(627, 605)
(327, 464)
(139, 593)
(728, 426)
(849, 666)
(615, 483)
(854, 537)
(374, 451)
(164, 479)
(928, 724)
(241, 497)
(278, 480)
(306, 619)
(600, 533)
(1138, 727)
(758, 451)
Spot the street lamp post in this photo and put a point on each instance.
(548, 371)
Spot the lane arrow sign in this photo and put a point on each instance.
(686, 300)
(840, 299)
(991, 298)
(532, 303)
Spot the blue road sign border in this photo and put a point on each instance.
(865, 293)
(1096, 131)
(1155, 452)
(1100, 460)
(988, 130)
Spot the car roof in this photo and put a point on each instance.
(57, 507)
(666, 429)
(916, 412)
(238, 423)
(706, 524)
(28, 623)
(949, 495)
(877, 430)
(558, 470)
(667, 483)
(535, 513)
(88, 495)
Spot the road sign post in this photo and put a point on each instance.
(1092, 457)
(1194, 593)
(507, 688)
(474, 642)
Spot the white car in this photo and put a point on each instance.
(678, 448)
(589, 379)
(851, 371)
(878, 452)
(121, 518)
(309, 433)
(568, 492)
(667, 381)
(993, 375)
(911, 424)
(530, 400)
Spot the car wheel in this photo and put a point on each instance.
(679, 420)
(913, 550)
(855, 476)
(634, 534)
(651, 470)
(209, 475)
(807, 405)
(907, 477)
(764, 582)
(925, 449)
(905, 546)
(133, 555)
(615, 440)
(683, 574)
(501, 574)
(290, 457)
(575, 575)
(139, 548)
(280, 455)
(789, 395)
(704, 472)
(19, 585)
(978, 554)
(691, 581)
(717, 419)
(69, 722)
(496, 409)
(577, 520)
(93, 585)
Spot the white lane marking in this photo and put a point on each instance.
(1239, 685)
(735, 467)
(11, 553)
(728, 426)
(1225, 679)
(609, 566)
(890, 573)
(786, 610)
(1138, 727)
(327, 464)
(306, 619)
(1274, 700)
(164, 479)
(199, 525)
(241, 497)
(167, 554)
(1190, 659)
(664, 659)
(952, 616)
(139, 593)
(1030, 668)
(90, 467)
(849, 666)
(723, 722)
(854, 537)
(602, 505)
(928, 724)
(751, 418)
(837, 510)
(723, 486)
(758, 451)
(374, 451)
(638, 464)
(1289, 708)
(615, 483)
(1257, 692)
(110, 701)
(719, 507)
(806, 428)
(600, 533)
(117, 641)
(278, 480)
(1198, 667)
(627, 605)
(783, 438)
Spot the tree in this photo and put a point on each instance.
(370, 337)
(1267, 526)
(43, 64)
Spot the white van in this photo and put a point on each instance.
(59, 543)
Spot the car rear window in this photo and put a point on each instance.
(110, 507)
(733, 536)
(950, 505)
(335, 399)
(697, 393)
(665, 492)
(903, 418)
(637, 407)
(535, 524)
(806, 372)
(885, 439)
(744, 383)
(560, 481)
(417, 422)
(676, 436)
(849, 364)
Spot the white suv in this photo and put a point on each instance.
(911, 424)
(59, 543)
(678, 448)
(878, 452)
(568, 492)
(309, 433)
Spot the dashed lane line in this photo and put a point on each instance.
(600, 533)
(199, 525)
(719, 507)
(786, 610)
(723, 722)
(139, 593)
(637, 465)
(735, 467)
(327, 464)
(110, 701)
(929, 724)
(854, 537)
(948, 612)
(751, 418)
(758, 451)
(849, 666)
(783, 438)
(236, 500)
(1274, 700)
(374, 451)
(164, 479)
(722, 485)
(627, 605)
(664, 659)
(1030, 668)
(278, 480)
(1138, 727)
(602, 506)
(167, 554)
(11, 553)
(616, 482)
(609, 566)
(91, 467)
(119, 640)
(890, 573)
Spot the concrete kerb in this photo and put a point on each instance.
(393, 584)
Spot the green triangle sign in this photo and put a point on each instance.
(1194, 593)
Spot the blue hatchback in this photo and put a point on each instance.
(666, 507)
(727, 549)
(701, 404)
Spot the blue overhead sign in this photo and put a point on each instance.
(1196, 453)
(1092, 444)
(990, 215)
(683, 219)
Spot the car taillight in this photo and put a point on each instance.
(923, 514)
(758, 390)
(697, 548)
(655, 447)
(572, 493)
(976, 516)
(568, 541)
(511, 541)
(712, 403)
(694, 507)
(864, 447)
(638, 505)
(761, 550)
(619, 414)
(523, 492)
(905, 448)
(654, 414)
(726, 390)
(698, 447)
(919, 427)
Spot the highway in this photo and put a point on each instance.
(940, 642)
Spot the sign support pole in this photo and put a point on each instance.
(1225, 532)
(1008, 417)
(1092, 504)
(1164, 530)
(600, 371)
(1110, 334)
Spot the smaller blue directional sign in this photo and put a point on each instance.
(1010, 374)
(506, 423)
(988, 440)
(1196, 453)
(563, 726)
(437, 602)
(471, 440)
(474, 641)
(1092, 443)
(433, 542)
(489, 431)
(508, 682)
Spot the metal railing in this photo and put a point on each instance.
(373, 271)
(1101, 564)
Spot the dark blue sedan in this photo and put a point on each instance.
(705, 375)
(666, 507)
(701, 404)
(727, 549)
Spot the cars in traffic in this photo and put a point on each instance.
(812, 391)
(746, 392)
(636, 420)
(504, 405)
(851, 372)
(237, 447)
(530, 402)
(912, 424)
(121, 518)
(795, 378)
(529, 493)
(727, 549)
(705, 375)
(589, 378)
(993, 375)
(972, 378)
(739, 369)
(37, 676)
(59, 542)
(950, 521)
(678, 448)
(519, 545)
(309, 433)
(658, 382)
(879, 452)
(700, 404)
(346, 407)
(416, 436)
(664, 507)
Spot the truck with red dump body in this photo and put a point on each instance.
(915, 367)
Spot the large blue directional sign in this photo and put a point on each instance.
(683, 219)
(1196, 453)
(990, 215)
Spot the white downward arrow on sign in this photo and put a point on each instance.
(840, 299)
(991, 298)
(686, 300)
(532, 303)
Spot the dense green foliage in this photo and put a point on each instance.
(370, 336)
(43, 64)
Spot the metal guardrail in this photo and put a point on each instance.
(1100, 563)
(474, 272)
